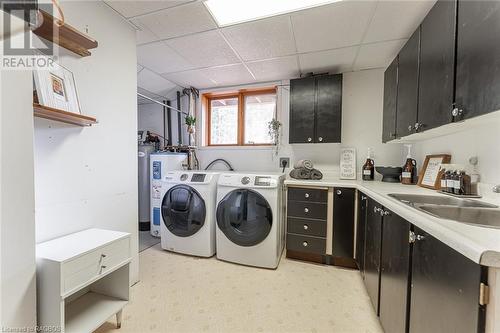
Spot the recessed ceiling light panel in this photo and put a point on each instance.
(228, 12)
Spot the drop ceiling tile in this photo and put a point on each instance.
(134, 8)
(262, 39)
(275, 69)
(179, 21)
(333, 26)
(193, 78)
(377, 54)
(396, 19)
(204, 49)
(161, 58)
(333, 61)
(229, 75)
(153, 82)
(143, 34)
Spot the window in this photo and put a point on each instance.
(241, 118)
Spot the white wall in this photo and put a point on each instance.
(17, 220)
(480, 139)
(87, 177)
(362, 104)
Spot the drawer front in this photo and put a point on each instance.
(308, 210)
(307, 244)
(307, 194)
(306, 227)
(82, 269)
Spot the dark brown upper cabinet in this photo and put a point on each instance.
(407, 100)
(478, 58)
(316, 109)
(437, 66)
(390, 101)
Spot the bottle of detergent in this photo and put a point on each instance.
(409, 175)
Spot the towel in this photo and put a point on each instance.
(300, 173)
(316, 174)
(306, 164)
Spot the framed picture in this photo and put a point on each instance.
(56, 88)
(348, 163)
(430, 175)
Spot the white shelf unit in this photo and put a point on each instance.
(82, 280)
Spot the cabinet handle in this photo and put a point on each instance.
(418, 126)
(413, 237)
(309, 139)
(385, 213)
(320, 139)
(363, 198)
(339, 192)
(306, 227)
(306, 195)
(306, 210)
(304, 244)
(376, 209)
(456, 112)
(410, 127)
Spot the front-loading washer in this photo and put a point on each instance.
(188, 212)
(250, 220)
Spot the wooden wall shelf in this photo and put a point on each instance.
(65, 36)
(46, 112)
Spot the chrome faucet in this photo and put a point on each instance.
(496, 188)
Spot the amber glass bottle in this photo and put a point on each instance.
(369, 167)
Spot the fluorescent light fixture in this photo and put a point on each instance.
(228, 12)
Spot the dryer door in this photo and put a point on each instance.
(183, 210)
(245, 217)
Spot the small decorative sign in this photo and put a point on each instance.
(348, 163)
(430, 175)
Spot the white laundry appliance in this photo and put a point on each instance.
(160, 164)
(188, 212)
(250, 219)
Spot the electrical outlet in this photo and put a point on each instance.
(284, 159)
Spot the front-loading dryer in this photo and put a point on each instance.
(250, 219)
(188, 212)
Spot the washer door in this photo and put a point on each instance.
(183, 210)
(245, 217)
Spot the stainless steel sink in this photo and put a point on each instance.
(417, 200)
(476, 216)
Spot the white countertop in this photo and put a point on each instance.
(480, 244)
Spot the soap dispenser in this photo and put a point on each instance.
(409, 175)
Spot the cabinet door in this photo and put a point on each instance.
(343, 222)
(328, 108)
(302, 105)
(437, 65)
(360, 232)
(394, 278)
(373, 246)
(445, 289)
(408, 86)
(390, 101)
(478, 57)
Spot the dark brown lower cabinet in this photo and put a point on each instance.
(360, 233)
(373, 246)
(343, 222)
(394, 278)
(444, 289)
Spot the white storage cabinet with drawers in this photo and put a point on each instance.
(82, 280)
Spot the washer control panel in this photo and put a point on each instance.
(184, 177)
(245, 180)
(262, 181)
(198, 178)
